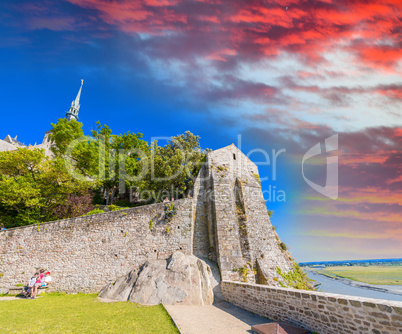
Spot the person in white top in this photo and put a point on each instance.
(31, 283)
(48, 279)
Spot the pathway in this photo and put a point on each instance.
(222, 318)
(219, 318)
(10, 298)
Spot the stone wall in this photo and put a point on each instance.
(85, 253)
(323, 313)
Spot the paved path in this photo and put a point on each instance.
(10, 298)
(220, 318)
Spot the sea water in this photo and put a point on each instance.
(334, 286)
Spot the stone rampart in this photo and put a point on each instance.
(323, 313)
(85, 253)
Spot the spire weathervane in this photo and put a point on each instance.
(75, 106)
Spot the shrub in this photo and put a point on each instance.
(74, 206)
(94, 212)
(244, 272)
(113, 207)
(123, 203)
(170, 210)
(283, 246)
(295, 278)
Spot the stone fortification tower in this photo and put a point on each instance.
(231, 221)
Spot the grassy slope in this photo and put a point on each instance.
(81, 314)
(383, 275)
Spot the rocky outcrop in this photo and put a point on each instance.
(181, 279)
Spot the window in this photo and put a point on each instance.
(234, 156)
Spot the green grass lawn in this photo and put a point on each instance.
(81, 313)
(382, 275)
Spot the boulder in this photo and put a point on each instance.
(183, 279)
(121, 288)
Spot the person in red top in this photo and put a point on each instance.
(37, 284)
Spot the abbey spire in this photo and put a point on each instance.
(75, 106)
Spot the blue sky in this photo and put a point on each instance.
(281, 78)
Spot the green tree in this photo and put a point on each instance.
(123, 161)
(32, 185)
(78, 150)
(175, 165)
(126, 161)
(63, 133)
(113, 162)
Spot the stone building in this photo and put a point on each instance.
(10, 144)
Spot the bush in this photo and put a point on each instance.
(123, 203)
(295, 278)
(94, 212)
(114, 207)
(74, 206)
(170, 210)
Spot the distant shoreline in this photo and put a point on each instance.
(343, 262)
(361, 285)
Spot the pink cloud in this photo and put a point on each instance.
(259, 29)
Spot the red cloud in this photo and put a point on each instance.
(257, 29)
(385, 57)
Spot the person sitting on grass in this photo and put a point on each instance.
(37, 284)
(31, 283)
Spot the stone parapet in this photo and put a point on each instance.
(323, 313)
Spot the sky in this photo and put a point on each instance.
(274, 77)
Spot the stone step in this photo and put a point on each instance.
(15, 290)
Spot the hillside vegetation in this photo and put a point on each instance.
(103, 168)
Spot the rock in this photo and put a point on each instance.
(183, 279)
(121, 288)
